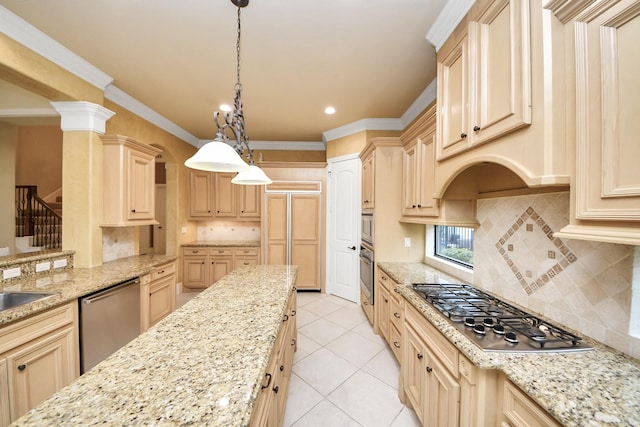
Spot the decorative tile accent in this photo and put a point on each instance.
(519, 261)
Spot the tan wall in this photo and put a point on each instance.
(290, 156)
(354, 143)
(39, 158)
(8, 138)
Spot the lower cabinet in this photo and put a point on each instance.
(158, 295)
(203, 266)
(518, 410)
(38, 357)
(388, 312)
(272, 399)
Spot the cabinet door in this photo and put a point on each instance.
(162, 300)
(141, 188)
(276, 217)
(40, 368)
(195, 271)
(410, 179)
(607, 109)
(305, 238)
(382, 314)
(368, 181)
(200, 194)
(4, 394)
(412, 370)
(225, 196)
(218, 268)
(442, 394)
(453, 102)
(425, 180)
(501, 73)
(249, 201)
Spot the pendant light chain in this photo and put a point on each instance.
(238, 84)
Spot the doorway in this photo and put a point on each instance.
(343, 226)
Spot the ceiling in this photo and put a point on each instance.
(367, 58)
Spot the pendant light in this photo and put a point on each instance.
(218, 155)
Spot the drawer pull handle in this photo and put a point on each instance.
(384, 277)
(420, 356)
(429, 369)
(281, 368)
(293, 312)
(395, 343)
(396, 315)
(22, 367)
(268, 382)
(293, 341)
(396, 290)
(286, 317)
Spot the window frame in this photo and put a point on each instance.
(437, 246)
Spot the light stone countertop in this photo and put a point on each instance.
(71, 284)
(589, 388)
(201, 365)
(219, 243)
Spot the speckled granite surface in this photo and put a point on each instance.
(73, 283)
(201, 365)
(229, 243)
(590, 388)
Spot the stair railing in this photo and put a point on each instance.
(34, 217)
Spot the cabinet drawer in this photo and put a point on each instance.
(163, 271)
(520, 410)
(221, 252)
(194, 251)
(385, 280)
(395, 309)
(395, 341)
(23, 331)
(245, 251)
(438, 344)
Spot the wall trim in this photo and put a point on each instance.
(449, 18)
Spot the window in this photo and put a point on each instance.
(454, 244)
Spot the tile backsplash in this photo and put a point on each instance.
(584, 285)
(117, 242)
(227, 231)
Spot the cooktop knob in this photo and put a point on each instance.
(511, 337)
(479, 329)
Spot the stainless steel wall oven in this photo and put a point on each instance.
(366, 272)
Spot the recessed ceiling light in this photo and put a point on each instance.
(225, 107)
(329, 110)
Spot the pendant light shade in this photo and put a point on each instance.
(253, 176)
(217, 156)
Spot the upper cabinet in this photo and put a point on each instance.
(418, 167)
(213, 196)
(484, 80)
(606, 191)
(368, 181)
(129, 181)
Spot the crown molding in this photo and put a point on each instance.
(26, 34)
(361, 125)
(423, 100)
(82, 116)
(125, 100)
(447, 21)
(28, 112)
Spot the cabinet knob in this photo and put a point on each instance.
(293, 341)
(476, 128)
(281, 368)
(463, 135)
(396, 345)
(413, 206)
(276, 389)
(420, 356)
(22, 367)
(286, 317)
(133, 210)
(293, 312)
(428, 368)
(396, 315)
(419, 206)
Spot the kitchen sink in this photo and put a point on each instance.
(13, 299)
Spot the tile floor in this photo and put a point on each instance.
(343, 374)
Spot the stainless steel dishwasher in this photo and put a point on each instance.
(109, 319)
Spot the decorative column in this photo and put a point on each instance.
(82, 124)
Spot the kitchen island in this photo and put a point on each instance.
(203, 364)
(600, 387)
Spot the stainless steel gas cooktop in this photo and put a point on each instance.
(495, 325)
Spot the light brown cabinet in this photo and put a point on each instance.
(158, 294)
(38, 357)
(606, 189)
(388, 317)
(484, 80)
(369, 181)
(292, 230)
(271, 402)
(213, 196)
(518, 410)
(128, 181)
(203, 266)
(419, 166)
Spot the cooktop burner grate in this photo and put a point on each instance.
(496, 325)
